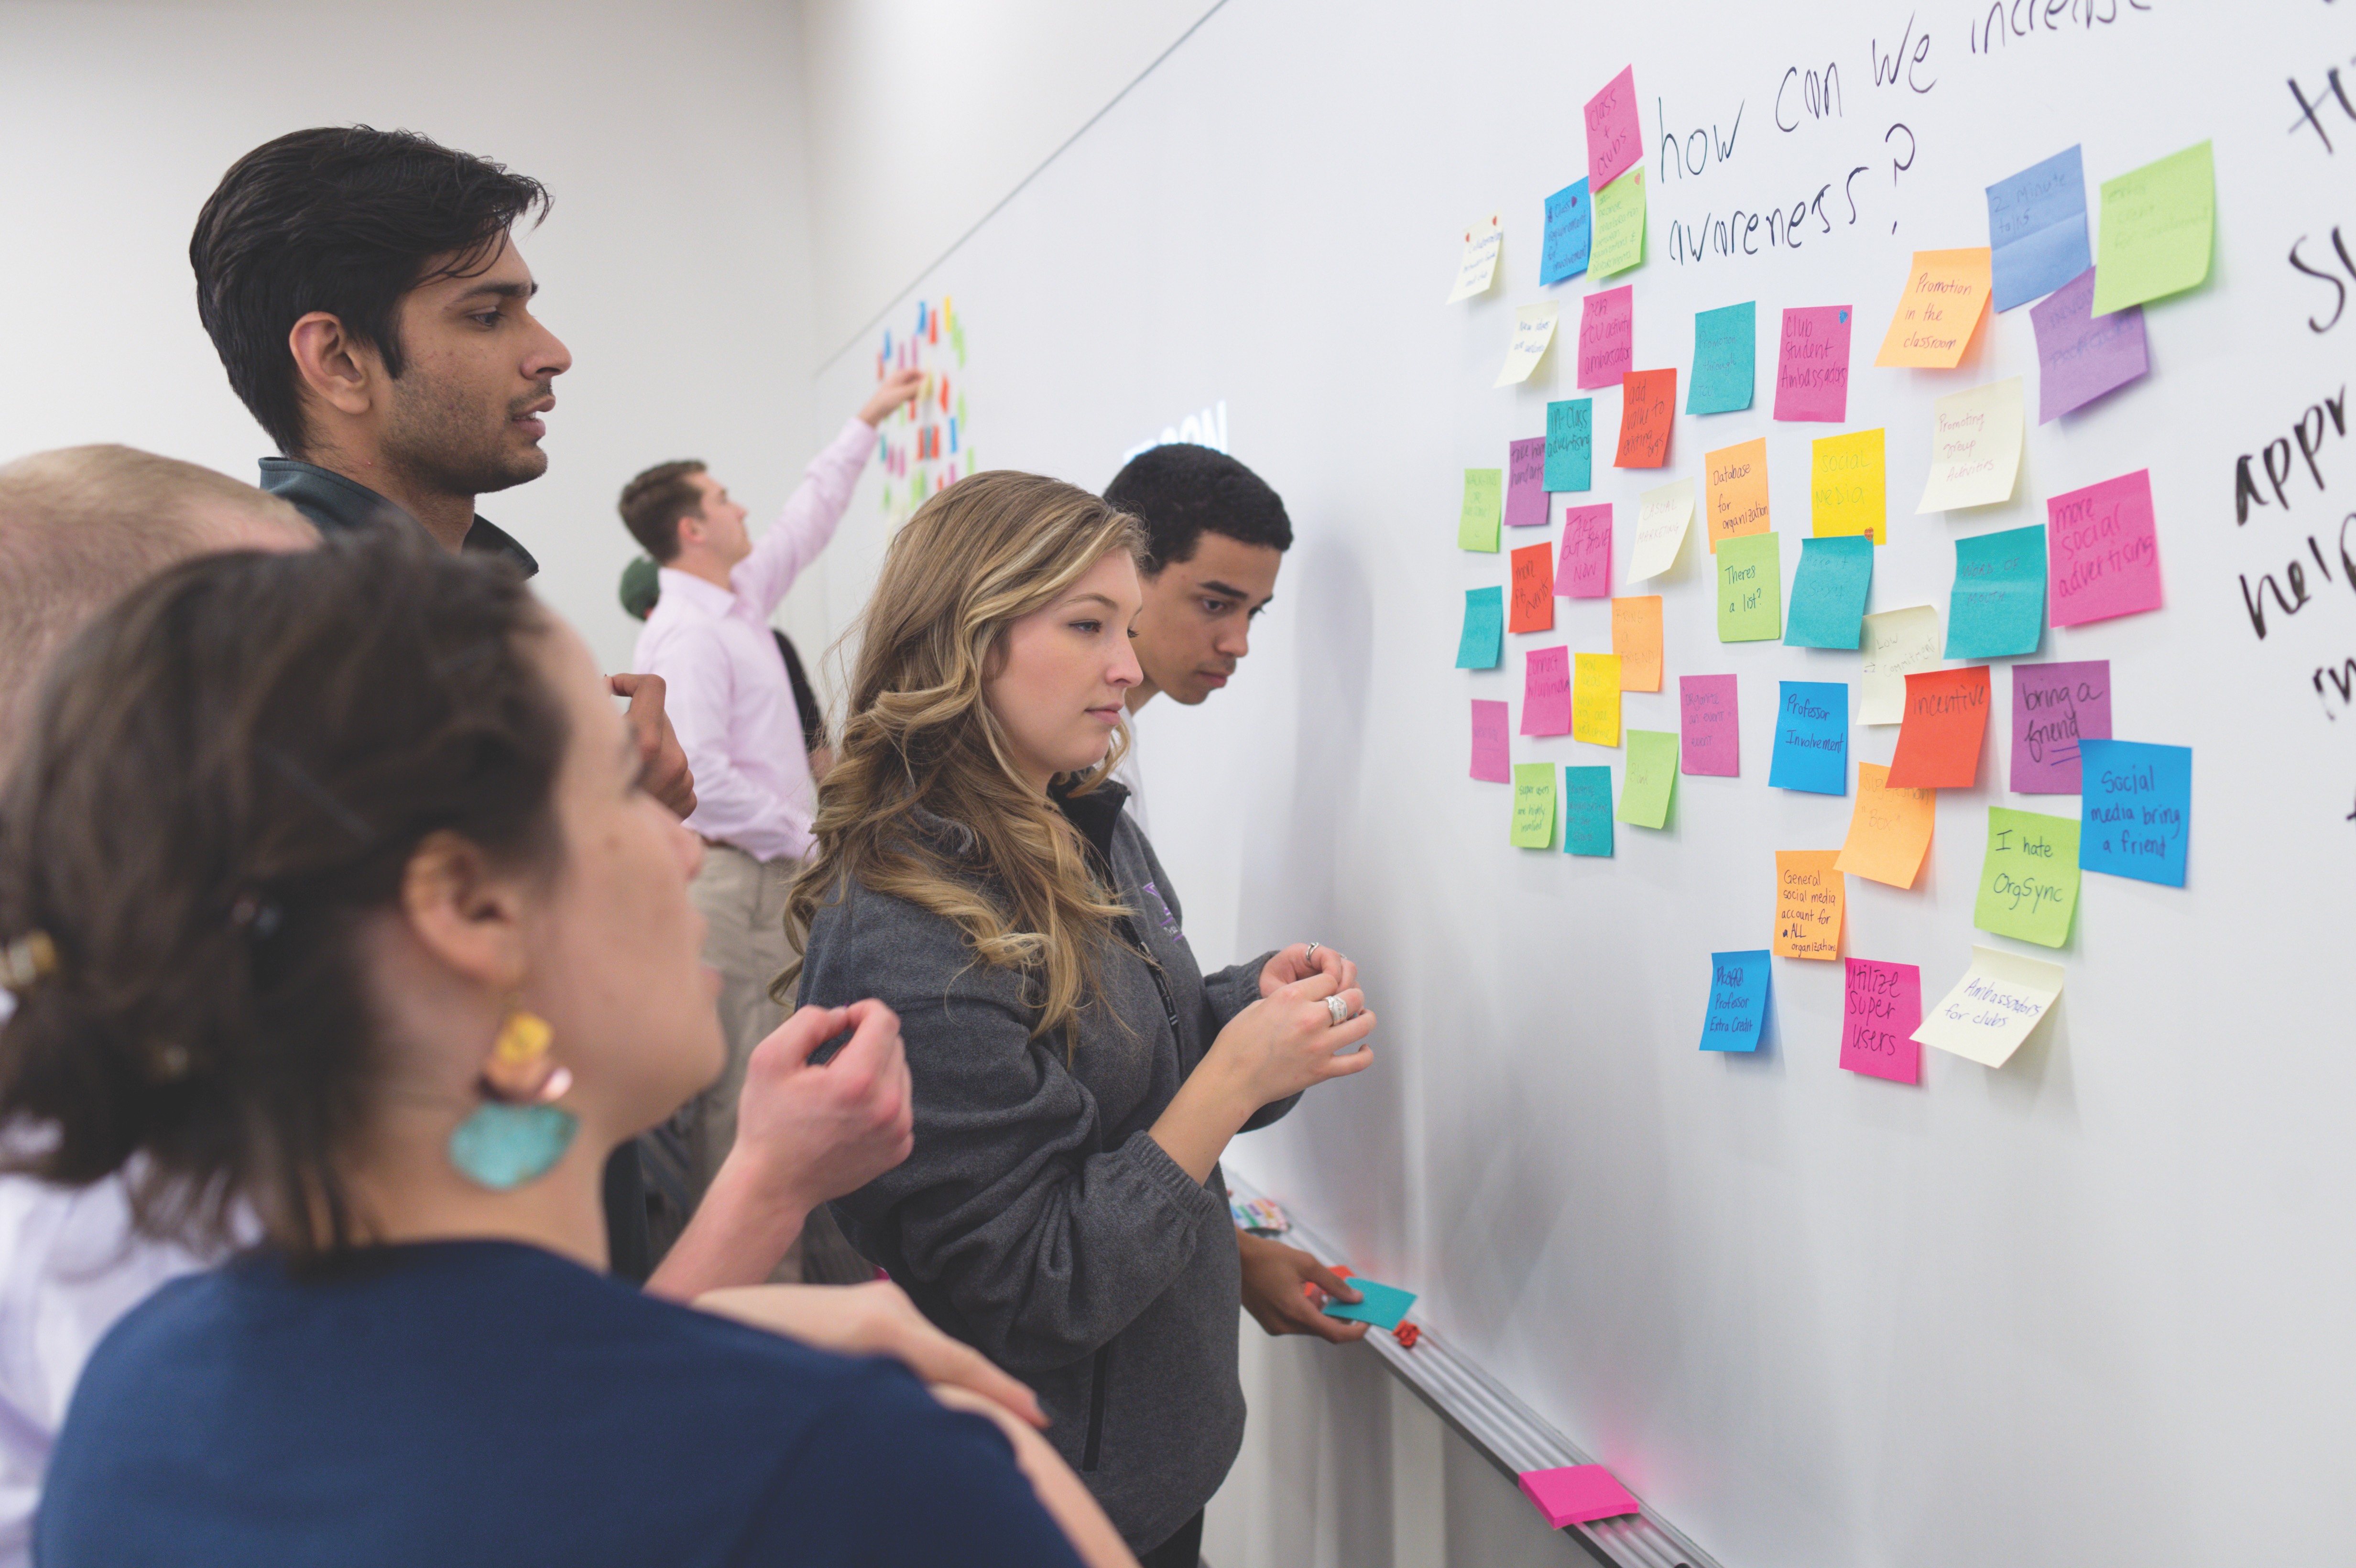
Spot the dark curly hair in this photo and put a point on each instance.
(1180, 491)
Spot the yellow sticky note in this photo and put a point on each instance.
(1890, 830)
(1595, 699)
(1737, 491)
(1946, 292)
(1636, 639)
(1847, 487)
(1809, 898)
(1533, 805)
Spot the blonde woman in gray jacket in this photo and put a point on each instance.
(1076, 1076)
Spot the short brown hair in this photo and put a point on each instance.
(653, 502)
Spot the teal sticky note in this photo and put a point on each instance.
(2135, 809)
(1828, 593)
(1569, 224)
(1482, 643)
(1741, 985)
(1726, 356)
(1570, 445)
(1811, 738)
(1999, 605)
(1586, 811)
(1384, 1305)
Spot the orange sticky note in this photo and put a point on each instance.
(1595, 699)
(1947, 293)
(1533, 590)
(1636, 638)
(1648, 402)
(1939, 739)
(1809, 898)
(1737, 491)
(1890, 830)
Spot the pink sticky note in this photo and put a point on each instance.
(2101, 555)
(1489, 748)
(1577, 1493)
(1525, 495)
(1585, 570)
(1709, 739)
(2054, 707)
(1883, 1009)
(1607, 337)
(1812, 370)
(1546, 692)
(1614, 140)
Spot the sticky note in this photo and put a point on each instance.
(1894, 644)
(2055, 708)
(1881, 1007)
(1946, 294)
(1740, 985)
(1999, 605)
(1735, 493)
(1652, 778)
(1574, 1493)
(1525, 497)
(1619, 226)
(1546, 692)
(1846, 488)
(1749, 589)
(1533, 805)
(1586, 811)
(2104, 552)
(2028, 883)
(2037, 229)
(1489, 742)
(1811, 738)
(1533, 330)
(1569, 220)
(2080, 355)
(1993, 1008)
(1478, 264)
(1607, 337)
(1974, 448)
(1809, 898)
(1595, 699)
(1380, 1305)
(1533, 607)
(1614, 141)
(1726, 359)
(1648, 406)
(1661, 518)
(1939, 741)
(1570, 445)
(1483, 641)
(1828, 593)
(1585, 572)
(1636, 639)
(1712, 740)
(1890, 830)
(2159, 223)
(1477, 521)
(1812, 365)
(2136, 810)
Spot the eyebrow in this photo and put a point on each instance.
(504, 291)
(1229, 591)
(1079, 598)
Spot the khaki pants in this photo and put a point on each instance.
(744, 905)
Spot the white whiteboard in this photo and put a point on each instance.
(2091, 1307)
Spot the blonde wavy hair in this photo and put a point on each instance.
(918, 738)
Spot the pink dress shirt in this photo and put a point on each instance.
(727, 695)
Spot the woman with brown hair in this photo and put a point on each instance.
(1076, 1076)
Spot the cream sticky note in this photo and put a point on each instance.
(1890, 830)
(2028, 883)
(1974, 448)
(1619, 226)
(1846, 488)
(1533, 805)
(1947, 293)
(1662, 517)
(2160, 223)
(1993, 1008)
(1595, 699)
(1736, 495)
(1636, 639)
(1533, 330)
(1809, 898)
(1895, 642)
(1478, 265)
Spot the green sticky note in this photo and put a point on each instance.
(1652, 776)
(1619, 226)
(1485, 509)
(1749, 589)
(1534, 805)
(2160, 223)
(2028, 883)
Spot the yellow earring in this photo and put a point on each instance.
(518, 1134)
(519, 1070)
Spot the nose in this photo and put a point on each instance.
(1126, 671)
(1234, 637)
(549, 356)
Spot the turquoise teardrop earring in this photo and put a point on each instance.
(518, 1133)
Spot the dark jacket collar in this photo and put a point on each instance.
(1095, 813)
(332, 501)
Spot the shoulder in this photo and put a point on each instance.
(880, 944)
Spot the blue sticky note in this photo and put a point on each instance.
(1570, 445)
(1484, 641)
(2037, 229)
(1828, 593)
(2135, 809)
(1997, 607)
(1811, 737)
(1586, 811)
(1384, 1305)
(1726, 356)
(1740, 987)
(1569, 224)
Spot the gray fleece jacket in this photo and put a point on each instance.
(1036, 1219)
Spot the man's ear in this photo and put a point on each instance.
(331, 366)
(691, 528)
(465, 912)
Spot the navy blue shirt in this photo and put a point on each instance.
(485, 1403)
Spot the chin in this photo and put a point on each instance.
(518, 468)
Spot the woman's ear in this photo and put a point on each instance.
(465, 911)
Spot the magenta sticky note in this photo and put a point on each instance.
(1489, 748)
(2101, 555)
(1880, 1012)
(2081, 355)
(1575, 1494)
(1613, 141)
(1525, 494)
(1607, 337)
(2054, 707)
(1709, 740)
(1584, 570)
(1812, 367)
(1546, 692)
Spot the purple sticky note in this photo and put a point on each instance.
(1710, 739)
(1812, 369)
(1575, 1494)
(1613, 141)
(2102, 554)
(1525, 495)
(1546, 692)
(2054, 707)
(1585, 570)
(2080, 356)
(1607, 337)
(1489, 748)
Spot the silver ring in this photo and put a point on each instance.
(1312, 950)
(1338, 1010)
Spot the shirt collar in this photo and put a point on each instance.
(685, 586)
(333, 501)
